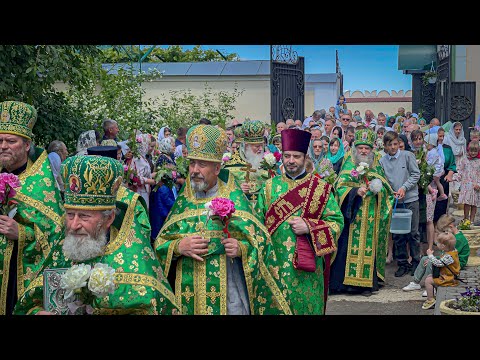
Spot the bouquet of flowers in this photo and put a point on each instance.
(220, 210)
(131, 178)
(361, 170)
(269, 163)
(8, 185)
(226, 156)
(326, 172)
(87, 284)
(469, 300)
(465, 224)
(182, 166)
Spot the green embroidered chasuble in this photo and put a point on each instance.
(141, 287)
(201, 287)
(303, 290)
(40, 218)
(368, 233)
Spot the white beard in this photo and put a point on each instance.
(81, 248)
(361, 158)
(253, 158)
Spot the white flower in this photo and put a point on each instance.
(270, 159)
(101, 280)
(364, 164)
(376, 186)
(360, 169)
(75, 278)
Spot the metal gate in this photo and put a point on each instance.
(462, 104)
(287, 82)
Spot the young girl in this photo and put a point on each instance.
(469, 177)
(341, 105)
(434, 158)
(448, 263)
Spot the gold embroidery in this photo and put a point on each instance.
(268, 192)
(6, 269)
(38, 281)
(146, 280)
(115, 244)
(200, 286)
(47, 211)
(223, 283)
(49, 196)
(302, 192)
(41, 239)
(21, 245)
(178, 284)
(315, 200)
(33, 167)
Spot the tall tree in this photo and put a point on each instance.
(29, 73)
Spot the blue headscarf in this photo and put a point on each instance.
(340, 153)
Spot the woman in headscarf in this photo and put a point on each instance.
(316, 153)
(162, 199)
(143, 167)
(335, 154)
(455, 138)
(85, 140)
(163, 133)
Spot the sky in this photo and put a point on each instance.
(364, 67)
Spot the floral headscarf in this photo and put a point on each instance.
(85, 140)
(143, 144)
(165, 145)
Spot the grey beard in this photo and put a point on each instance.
(252, 158)
(198, 187)
(363, 158)
(82, 248)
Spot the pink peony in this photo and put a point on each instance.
(139, 139)
(354, 173)
(277, 155)
(125, 168)
(223, 207)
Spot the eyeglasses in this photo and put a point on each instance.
(317, 146)
(348, 119)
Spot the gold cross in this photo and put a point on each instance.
(187, 294)
(212, 294)
(289, 243)
(248, 169)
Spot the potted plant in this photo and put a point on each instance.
(430, 77)
(467, 304)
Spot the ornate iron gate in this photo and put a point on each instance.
(442, 93)
(287, 82)
(462, 104)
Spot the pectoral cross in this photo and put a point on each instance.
(248, 169)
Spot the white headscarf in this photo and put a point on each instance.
(161, 133)
(178, 151)
(165, 146)
(458, 145)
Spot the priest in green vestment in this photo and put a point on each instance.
(27, 234)
(366, 199)
(245, 163)
(218, 268)
(105, 224)
(304, 220)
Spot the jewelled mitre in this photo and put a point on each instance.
(253, 132)
(365, 137)
(91, 182)
(206, 142)
(17, 118)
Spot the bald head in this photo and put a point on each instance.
(434, 122)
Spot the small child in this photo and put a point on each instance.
(435, 159)
(474, 135)
(447, 223)
(469, 176)
(448, 263)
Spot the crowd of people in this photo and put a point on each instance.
(305, 211)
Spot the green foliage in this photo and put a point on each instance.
(185, 109)
(426, 171)
(173, 53)
(118, 97)
(28, 73)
